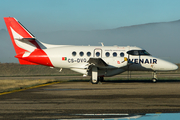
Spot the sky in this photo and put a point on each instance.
(54, 15)
(86, 15)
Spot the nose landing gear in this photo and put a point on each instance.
(154, 79)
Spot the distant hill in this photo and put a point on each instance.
(159, 39)
(15, 69)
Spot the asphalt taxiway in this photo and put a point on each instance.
(71, 99)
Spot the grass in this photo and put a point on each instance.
(9, 85)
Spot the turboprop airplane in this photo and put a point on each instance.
(95, 61)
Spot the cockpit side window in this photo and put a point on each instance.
(145, 52)
(141, 52)
(138, 52)
(135, 52)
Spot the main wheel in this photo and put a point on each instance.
(93, 81)
(101, 79)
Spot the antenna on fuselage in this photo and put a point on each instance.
(102, 43)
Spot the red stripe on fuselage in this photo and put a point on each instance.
(38, 56)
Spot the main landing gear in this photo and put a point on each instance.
(99, 79)
(95, 79)
(154, 79)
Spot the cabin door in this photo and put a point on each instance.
(97, 53)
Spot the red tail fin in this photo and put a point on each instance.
(28, 51)
(19, 35)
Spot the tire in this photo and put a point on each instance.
(101, 79)
(154, 80)
(94, 81)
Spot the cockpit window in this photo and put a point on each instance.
(138, 52)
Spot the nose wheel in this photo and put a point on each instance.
(154, 79)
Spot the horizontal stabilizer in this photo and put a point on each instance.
(24, 62)
(25, 39)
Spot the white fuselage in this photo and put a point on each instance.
(63, 57)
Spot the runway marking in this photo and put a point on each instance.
(46, 84)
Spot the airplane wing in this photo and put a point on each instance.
(100, 63)
(97, 62)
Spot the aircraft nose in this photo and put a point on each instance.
(174, 67)
(166, 66)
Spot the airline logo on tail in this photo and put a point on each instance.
(28, 51)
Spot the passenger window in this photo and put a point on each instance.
(97, 54)
(74, 53)
(81, 53)
(122, 54)
(114, 54)
(88, 54)
(107, 54)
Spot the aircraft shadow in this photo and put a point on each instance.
(140, 81)
(129, 81)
